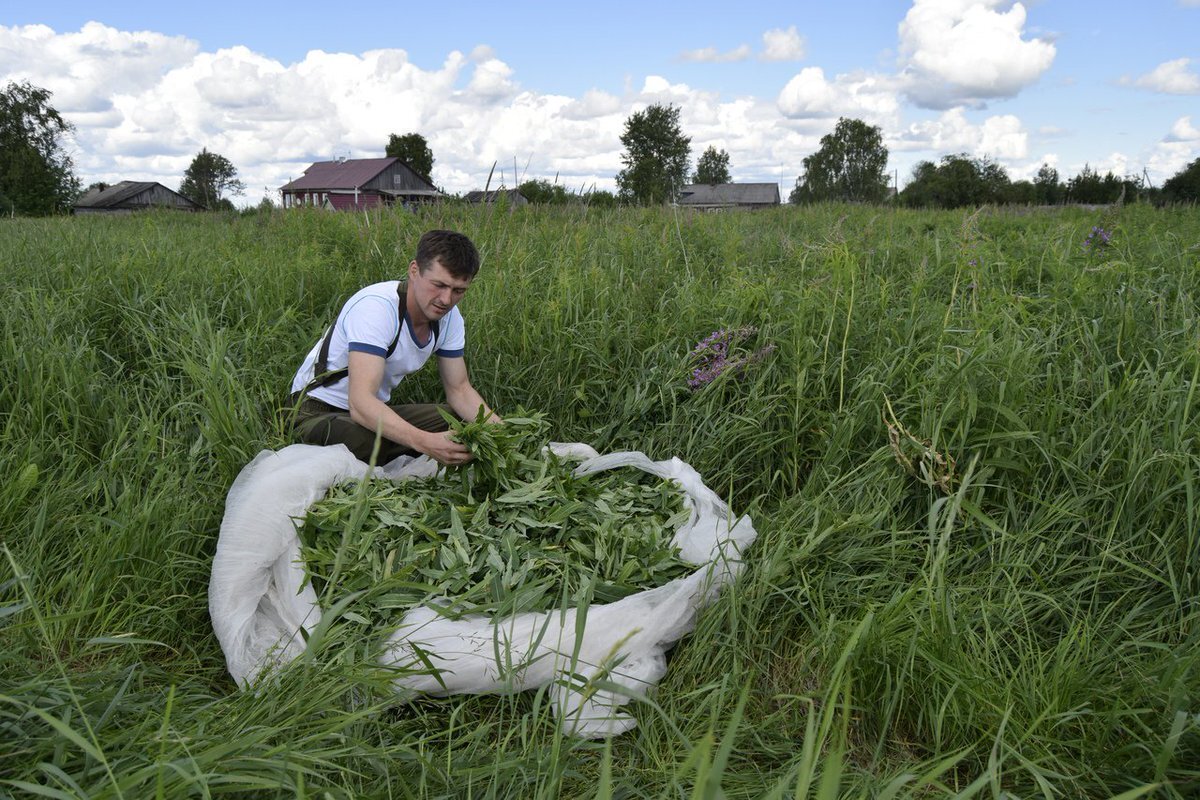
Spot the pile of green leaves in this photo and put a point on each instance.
(514, 530)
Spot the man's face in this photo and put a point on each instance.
(436, 291)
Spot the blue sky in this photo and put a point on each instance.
(544, 88)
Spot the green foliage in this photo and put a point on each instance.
(1024, 193)
(36, 173)
(959, 181)
(208, 178)
(1050, 191)
(1092, 188)
(1184, 186)
(712, 167)
(412, 149)
(656, 156)
(849, 166)
(513, 531)
(1032, 633)
(542, 192)
(600, 199)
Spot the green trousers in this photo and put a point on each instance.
(318, 422)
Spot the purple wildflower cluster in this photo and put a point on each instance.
(972, 251)
(1096, 239)
(721, 352)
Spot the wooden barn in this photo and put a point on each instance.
(128, 196)
(357, 183)
(720, 196)
(512, 196)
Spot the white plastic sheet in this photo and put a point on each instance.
(593, 664)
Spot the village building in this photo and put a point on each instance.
(357, 183)
(720, 196)
(511, 196)
(129, 196)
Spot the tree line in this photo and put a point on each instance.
(850, 165)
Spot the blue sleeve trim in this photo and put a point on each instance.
(363, 347)
(450, 353)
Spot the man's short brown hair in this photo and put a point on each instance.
(453, 250)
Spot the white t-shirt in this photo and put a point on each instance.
(368, 323)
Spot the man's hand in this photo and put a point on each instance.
(441, 448)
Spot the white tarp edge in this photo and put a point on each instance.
(258, 607)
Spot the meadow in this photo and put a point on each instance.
(972, 455)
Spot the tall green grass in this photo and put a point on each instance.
(1031, 631)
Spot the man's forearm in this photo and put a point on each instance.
(466, 402)
(374, 415)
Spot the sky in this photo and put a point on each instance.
(542, 90)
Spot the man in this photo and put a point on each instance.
(384, 332)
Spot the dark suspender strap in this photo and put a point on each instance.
(323, 378)
(322, 363)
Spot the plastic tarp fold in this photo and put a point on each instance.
(594, 659)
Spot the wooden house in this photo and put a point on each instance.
(512, 196)
(128, 196)
(358, 183)
(720, 196)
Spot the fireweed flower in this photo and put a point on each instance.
(721, 352)
(1097, 238)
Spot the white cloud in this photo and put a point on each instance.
(1169, 77)
(999, 137)
(481, 53)
(965, 52)
(272, 120)
(710, 55)
(1027, 169)
(146, 104)
(1168, 158)
(84, 69)
(656, 88)
(949, 133)
(778, 45)
(1180, 147)
(809, 95)
(782, 45)
(594, 103)
(161, 101)
(491, 82)
(1183, 130)
(1003, 137)
(1116, 163)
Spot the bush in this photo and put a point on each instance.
(1183, 186)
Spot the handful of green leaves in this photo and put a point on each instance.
(513, 530)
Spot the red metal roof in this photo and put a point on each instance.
(349, 174)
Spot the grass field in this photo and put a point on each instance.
(1019, 618)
